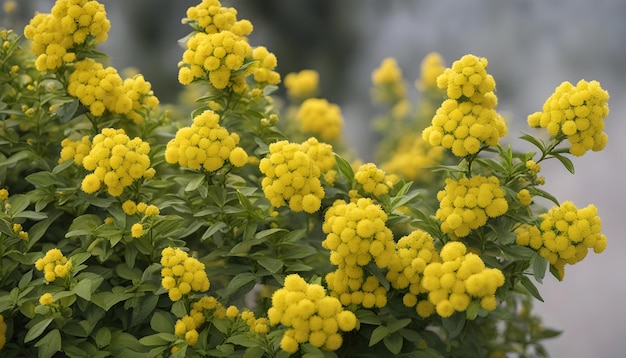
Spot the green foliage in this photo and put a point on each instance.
(112, 301)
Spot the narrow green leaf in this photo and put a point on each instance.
(567, 163)
(195, 182)
(37, 329)
(345, 168)
(396, 325)
(218, 226)
(158, 339)
(238, 282)
(378, 335)
(539, 266)
(271, 264)
(534, 141)
(530, 286)
(43, 179)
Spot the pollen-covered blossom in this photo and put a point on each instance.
(524, 197)
(466, 204)
(76, 150)
(320, 118)
(4, 194)
(302, 85)
(415, 251)
(356, 235)
(412, 157)
(292, 176)
(310, 316)
(388, 82)
(431, 67)
(263, 70)
(213, 57)
(181, 274)
(459, 278)
(211, 17)
(187, 326)
(116, 161)
(564, 235)
(101, 89)
(205, 144)
(46, 299)
(256, 325)
(467, 119)
(54, 265)
(372, 179)
(71, 23)
(577, 112)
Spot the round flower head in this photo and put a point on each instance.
(205, 144)
(302, 85)
(576, 112)
(467, 119)
(388, 82)
(182, 274)
(320, 118)
(54, 265)
(432, 66)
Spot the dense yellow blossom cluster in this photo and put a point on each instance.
(431, 67)
(412, 157)
(46, 299)
(205, 144)
(459, 278)
(187, 326)
(415, 251)
(302, 85)
(524, 197)
(131, 208)
(467, 119)
(71, 23)
(293, 176)
(74, 150)
(564, 235)
(577, 112)
(372, 179)
(116, 161)
(101, 89)
(182, 274)
(211, 17)
(19, 230)
(257, 325)
(466, 204)
(310, 315)
(356, 235)
(263, 69)
(321, 118)
(4, 194)
(54, 265)
(388, 82)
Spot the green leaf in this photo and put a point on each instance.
(345, 168)
(534, 141)
(242, 340)
(539, 265)
(454, 324)
(29, 214)
(567, 163)
(37, 329)
(253, 352)
(49, 344)
(103, 337)
(394, 343)
(83, 225)
(195, 182)
(44, 179)
(368, 317)
(158, 339)
(271, 264)
(378, 335)
(238, 282)
(532, 289)
(218, 226)
(396, 325)
(83, 289)
(162, 322)
(106, 300)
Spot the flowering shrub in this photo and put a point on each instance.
(236, 229)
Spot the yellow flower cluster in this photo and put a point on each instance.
(4, 194)
(564, 235)
(3, 332)
(302, 85)
(466, 204)
(310, 315)
(103, 89)
(205, 145)
(71, 22)
(182, 274)
(214, 57)
(116, 161)
(415, 251)
(459, 278)
(19, 230)
(431, 67)
(256, 325)
(46, 299)
(411, 158)
(321, 153)
(263, 70)
(467, 119)
(388, 82)
(320, 118)
(524, 197)
(131, 208)
(372, 179)
(577, 112)
(187, 326)
(356, 235)
(292, 175)
(211, 17)
(76, 150)
(54, 265)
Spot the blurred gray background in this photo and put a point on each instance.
(532, 47)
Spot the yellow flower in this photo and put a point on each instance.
(53, 265)
(181, 274)
(46, 299)
(302, 85)
(388, 82)
(4, 194)
(320, 118)
(137, 230)
(431, 67)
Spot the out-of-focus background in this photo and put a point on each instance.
(532, 47)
